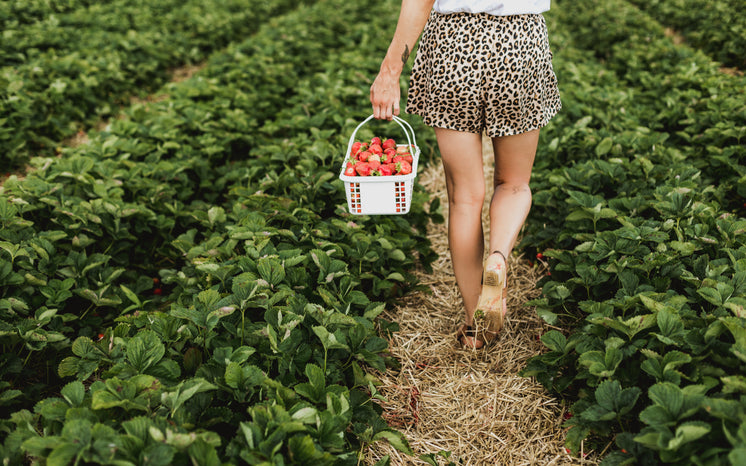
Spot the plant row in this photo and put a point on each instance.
(69, 71)
(715, 27)
(188, 286)
(17, 12)
(638, 205)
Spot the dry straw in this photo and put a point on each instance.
(471, 403)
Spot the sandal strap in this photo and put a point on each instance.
(497, 251)
(466, 331)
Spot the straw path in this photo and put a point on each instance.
(470, 403)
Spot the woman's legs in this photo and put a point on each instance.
(461, 154)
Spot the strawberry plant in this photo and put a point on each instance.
(642, 229)
(690, 18)
(94, 58)
(256, 346)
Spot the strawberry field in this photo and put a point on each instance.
(188, 285)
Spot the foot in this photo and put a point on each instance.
(491, 306)
(468, 338)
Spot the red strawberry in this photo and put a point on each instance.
(350, 170)
(397, 159)
(375, 140)
(355, 147)
(408, 158)
(376, 149)
(390, 152)
(386, 169)
(362, 168)
(403, 168)
(402, 149)
(389, 144)
(363, 156)
(374, 164)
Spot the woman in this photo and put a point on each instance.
(482, 66)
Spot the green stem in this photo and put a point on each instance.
(243, 329)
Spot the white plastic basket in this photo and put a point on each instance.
(381, 195)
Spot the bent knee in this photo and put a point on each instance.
(467, 198)
(514, 188)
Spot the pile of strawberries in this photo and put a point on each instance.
(376, 158)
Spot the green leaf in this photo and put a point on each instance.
(688, 432)
(175, 398)
(657, 415)
(555, 341)
(604, 146)
(734, 384)
(130, 295)
(315, 376)
(737, 455)
(63, 454)
(158, 454)
(329, 340)
(396, 439)
(145, 350)
(74, 393)
(667, 395)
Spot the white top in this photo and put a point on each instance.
(493, 7)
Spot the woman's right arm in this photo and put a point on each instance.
(385, 92)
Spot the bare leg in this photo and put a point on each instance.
(509, 207)
(511, 200)
(461, 154)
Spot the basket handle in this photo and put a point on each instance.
(403, 123)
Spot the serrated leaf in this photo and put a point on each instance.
(555, 341)
(396, 439)
(74, 393)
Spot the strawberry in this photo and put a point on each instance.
(350, 170)
(386, 169)
(374, 158)
(374, 164)
(389, 153)
(363, 156)
(376, 149)
(397, 159)
(375, 140)
(362, 168)
(408, 158)
(355, 148)
(402, 149)
(403, 168)
(389, 144)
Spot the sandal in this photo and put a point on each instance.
(467, 331)
(490, 305)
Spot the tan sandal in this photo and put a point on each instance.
(490, 305)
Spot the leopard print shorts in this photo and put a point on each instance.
(482, 73)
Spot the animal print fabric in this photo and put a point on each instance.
(478, 73)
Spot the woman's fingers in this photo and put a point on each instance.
(384, 96)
